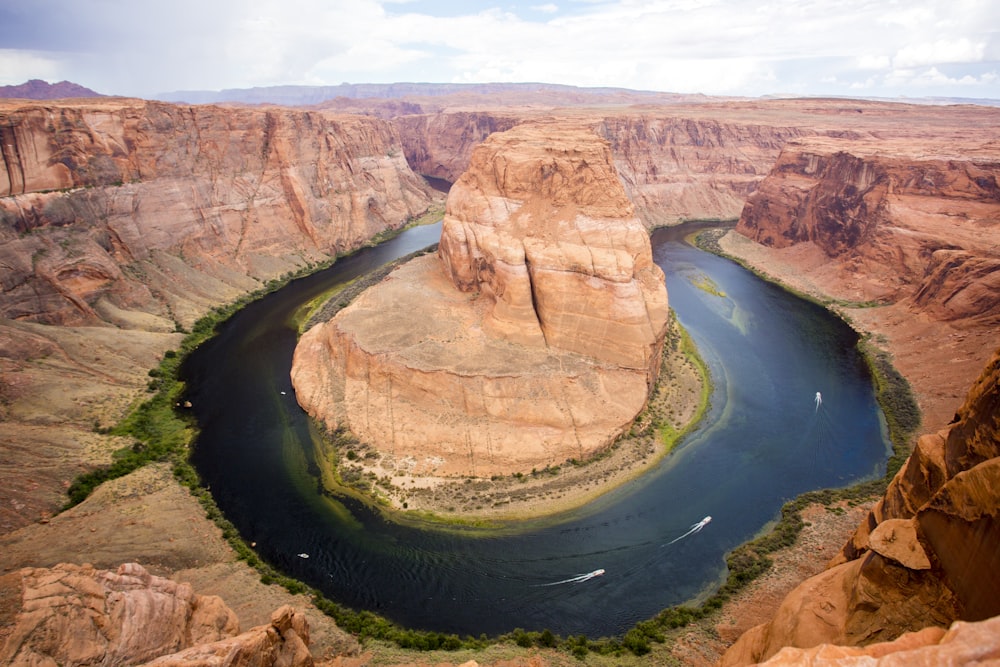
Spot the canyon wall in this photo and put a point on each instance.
(674, 166)
(926, 556)
(144, 215)
(901, 236)
(533, 337)
(679, 168)
(440, 145)
(919, 224)
(124, 221)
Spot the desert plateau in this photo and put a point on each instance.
(538, 331)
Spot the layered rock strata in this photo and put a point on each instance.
(903, 237)
(532, 337)
(77, 615)
(918, 223)
(962, 644)
(926, 555)
(144, 215)
(673, 167)
(124, 221)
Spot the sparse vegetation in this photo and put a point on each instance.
(706, 284)
(162, 432)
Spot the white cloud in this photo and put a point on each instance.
(713, 46)
(933, 78)
(877, 62)
(960, 50)
(14, 64)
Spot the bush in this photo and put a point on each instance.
(636, 642)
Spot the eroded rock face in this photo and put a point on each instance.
(531, 338)
(674, 167)
(962, 644)
(144, 214)
(76, 615)
(542, 227)
(926, 555)
(441, 144)
(680, 168)
(917, 224)
(284, 642)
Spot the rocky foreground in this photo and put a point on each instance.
(123, 221)
(925, 556)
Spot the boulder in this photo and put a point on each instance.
(78, 615)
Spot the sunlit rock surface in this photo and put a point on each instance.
(926, 556)
(915, 220)
(531, 338)
(144, 215)
(962, 644)
(74, 615)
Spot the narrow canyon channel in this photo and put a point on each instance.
(766, 439)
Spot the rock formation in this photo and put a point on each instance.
(143, 214)
(36, 89)
(918, 222)
(673, 167)
(77, 615)
(927, 555)
(146, 215)
(440, 145)
(679, 168)
(531, 338)
(962, 644)
(901, 234)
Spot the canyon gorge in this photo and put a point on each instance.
(124, 221)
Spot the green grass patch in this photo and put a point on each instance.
(706, 284)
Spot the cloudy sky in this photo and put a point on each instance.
(888, 48)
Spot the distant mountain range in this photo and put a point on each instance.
(36, 89)
(359, 97)
(313, 95)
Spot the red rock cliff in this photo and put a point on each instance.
(144, 214)
(678, 168)
(531, 339)
(675, 165)
(541, 224)
(927, 554)
(918, 223)
(78, 615)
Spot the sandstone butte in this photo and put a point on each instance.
(532, 337)
(123, 220)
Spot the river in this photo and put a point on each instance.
(765, 440)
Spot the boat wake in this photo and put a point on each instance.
(695, 528)
(578, 578)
